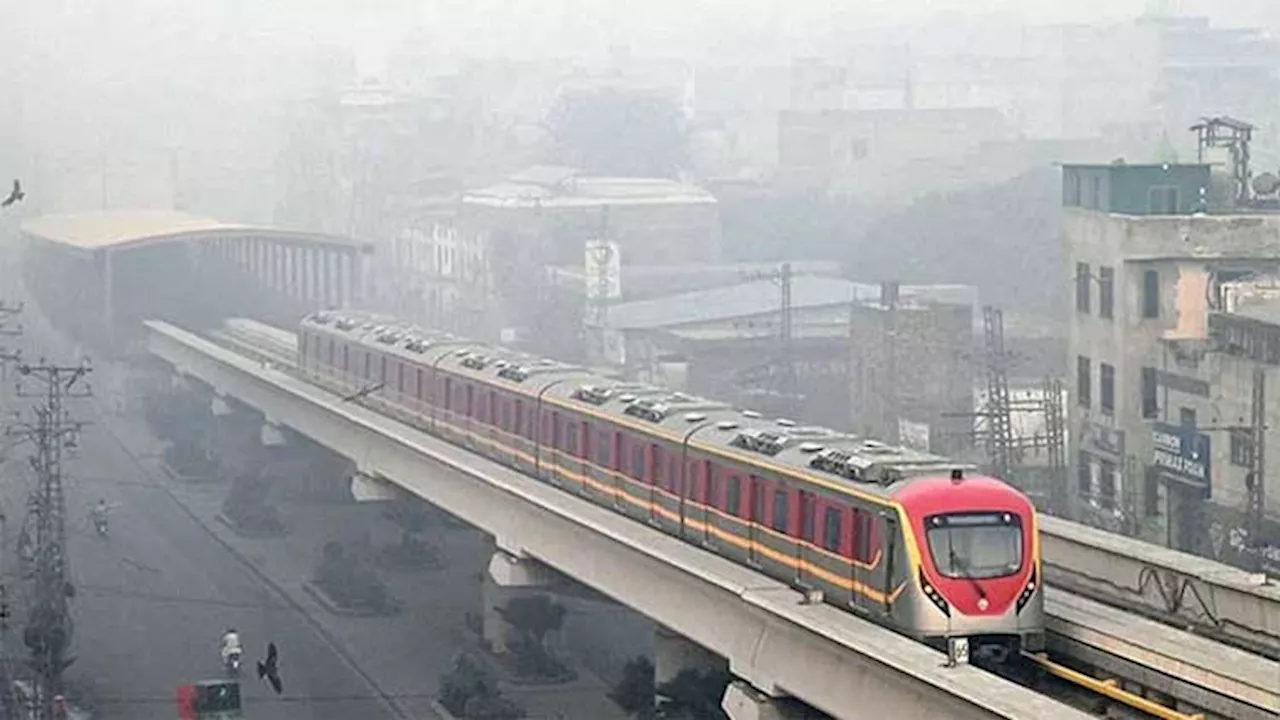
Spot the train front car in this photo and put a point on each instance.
(977, 569)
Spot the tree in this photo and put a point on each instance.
(694, 695)
(469, 691)
(615, 131)
(634, 693)
(534, 617)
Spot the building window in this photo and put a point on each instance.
(1241, 448)
(1150, 294)
(1084, 393)
(1187, 417)
(1106, 292)
(1082, 287)
(1084, 475)
(1106, 484)
(1150, 408)
(1107, 388)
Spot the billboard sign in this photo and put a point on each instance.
(1181, 452)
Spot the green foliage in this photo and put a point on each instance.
(634, 693)
(534, 617)
(620, 132)
(468, 690)
(693, 695)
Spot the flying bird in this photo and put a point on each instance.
(268, 669)
(15, 195)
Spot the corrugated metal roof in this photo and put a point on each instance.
(565, 187)
(121, 228)
(763, 296)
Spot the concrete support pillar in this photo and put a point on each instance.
(271, 436)
(743, 702)
(508, 576)
(367, 488)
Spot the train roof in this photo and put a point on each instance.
(388, 334)
(857, 463)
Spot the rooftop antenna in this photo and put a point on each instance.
(1235, 136)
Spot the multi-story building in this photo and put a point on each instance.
(1158, 396)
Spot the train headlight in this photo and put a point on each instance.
(1028, 591)
(934, 596)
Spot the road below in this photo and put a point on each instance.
(155, 596)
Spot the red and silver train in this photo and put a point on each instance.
(904, 538)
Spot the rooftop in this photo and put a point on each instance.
(117, 229)
(762, 296)
(544, 186)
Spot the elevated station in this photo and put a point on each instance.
(97, 275)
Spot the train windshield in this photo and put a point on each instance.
(976, 545)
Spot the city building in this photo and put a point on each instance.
(1173, 280)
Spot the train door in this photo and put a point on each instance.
(890, 559)
(805, 555)
(858, 540)
(711, 500)
(755, 519)
(657, 481)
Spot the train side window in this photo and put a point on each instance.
(421, 390)
(781, 510)
(400, 377)
(520, 429)
(505, 418)
(807, 516)
(673, 475)
(346, 359)
(659, 465)
(383, 369)
(757, 500)
(471, 401)
(303, 345)
(448, 394)
(571, 437)
(832, 529)
(493, 408)
(331, 350)
(637, 461)
(603, 448)
(711, 494)
(733, 498)
(587, 439)
(860, 535)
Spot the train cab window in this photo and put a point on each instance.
(975, 545)
(637, 462)
(806, 516)
(733, 497)
(781, 510)
(833, 529)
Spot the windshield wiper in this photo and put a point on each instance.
(962, 567)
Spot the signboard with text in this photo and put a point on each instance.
(1181, 452)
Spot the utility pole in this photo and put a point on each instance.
(48, 632)
(1055, 428)
(1256, 484)
(998, 411)
(781, 369)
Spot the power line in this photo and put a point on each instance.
(53, 430)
